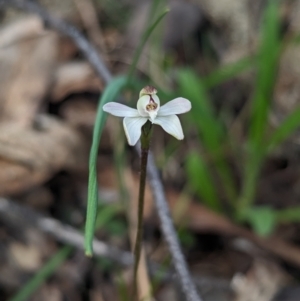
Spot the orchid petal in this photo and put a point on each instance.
(119, 110)
(176, 106)
(171, 124)
(132, 128)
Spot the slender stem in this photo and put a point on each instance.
(145, 144)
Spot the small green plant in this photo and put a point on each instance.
(259, 142)
(138, 124)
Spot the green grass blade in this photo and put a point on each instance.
(210, 128)
(227, 72)
(106, 215)
(288, 215)
(267, 66)
(202, 112)
(141, 45)
(289, 125)
(41, 276)
(110, 93)
(264, 219)
(201, 181)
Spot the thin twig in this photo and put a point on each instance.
(68, 30)
(180, 265)
(188, 287)
(13, 212)
(88, 14)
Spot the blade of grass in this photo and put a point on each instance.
(267, 64)
(209, 127)
(110, 93)
(141, 45)
(201, 182)
(288, 215)
(288, 126)
(107, 214)
(39, 278)
(202, 112)
(227, 72)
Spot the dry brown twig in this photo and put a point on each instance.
(87, 12)
(64, 233)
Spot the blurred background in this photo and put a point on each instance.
(233, 183)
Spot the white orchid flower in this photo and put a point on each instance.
(148, 108)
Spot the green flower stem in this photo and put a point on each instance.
(145, 144)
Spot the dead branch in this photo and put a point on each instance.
(64, 233)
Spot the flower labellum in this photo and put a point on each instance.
(148, 108)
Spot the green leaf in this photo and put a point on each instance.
(110, 93)
(42, 275)
(262, 219)
(289, 215)
(142, 43)
(288, 126)
(116, 228)
(210, 128)
(267, 66)
(227, 72)
(201, 182)
(106, 215)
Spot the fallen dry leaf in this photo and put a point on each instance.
(28, 257)
(260, 283)
(203, 219)
(79, 112)
(31, 156)
(28, 55)
(74, 77)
